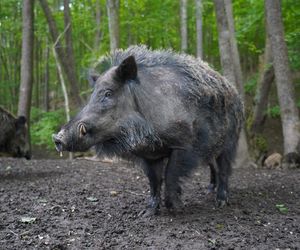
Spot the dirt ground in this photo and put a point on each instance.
(79, 204)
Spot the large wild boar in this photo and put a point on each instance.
(13, 135)
(157, 105)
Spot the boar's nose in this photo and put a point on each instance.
(58, 142)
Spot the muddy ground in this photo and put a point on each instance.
(61, 204)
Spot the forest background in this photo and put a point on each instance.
(86, 30)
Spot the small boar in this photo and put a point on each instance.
(13, 135)
(157, 105)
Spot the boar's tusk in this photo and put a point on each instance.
(82, 130)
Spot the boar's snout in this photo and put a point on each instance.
(59, 144)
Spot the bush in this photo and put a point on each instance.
(274, 112)
(44, 124)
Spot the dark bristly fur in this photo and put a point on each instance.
(157, 105)
(13, 135)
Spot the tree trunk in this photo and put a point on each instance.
(62, 56)
(285, 88)
(113, 7)
(46, 79)
(227, 62)
(98, 27)
(199, 28)
(263, 89)
(183, 25)
(234, 48)
(74, 87)
(25, 94)
(27, 60)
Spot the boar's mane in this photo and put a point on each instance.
(205, 82)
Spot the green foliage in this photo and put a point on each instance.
(260, 143)
(282, 208)
(274, 111)
(44, 124)
(250, 85)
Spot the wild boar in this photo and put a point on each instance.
(13, 135)
(156, 105)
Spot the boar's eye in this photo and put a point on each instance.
(108, 93)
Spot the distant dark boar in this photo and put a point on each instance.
(13, 135)
(157, 105)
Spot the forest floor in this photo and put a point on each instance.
(80, 204)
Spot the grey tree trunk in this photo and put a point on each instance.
(26, 60)
(183, 25)
(234, 48)
(25, 93)
(46, 79)
(113, 8)
(62, 56)
(74, 90)
(285, 88)
(199, 28)
(98, 23)
(227, 62)
(263, 89)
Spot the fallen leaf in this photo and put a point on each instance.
(92, 199)
(28, 219)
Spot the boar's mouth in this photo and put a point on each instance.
(58, 142)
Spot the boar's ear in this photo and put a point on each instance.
(127, 69)
(21, 120)
(92, 78)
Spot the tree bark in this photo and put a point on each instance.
(26, 60)
(227, 63)
(263, 89)
(285, 89)
(98, 27)
(46, 79)
(62, 56)
(199, 28)
(74, 90)
(234, 48)
(183, 25)
(113, 7)
(25, 93)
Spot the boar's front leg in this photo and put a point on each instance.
(153, 169)
(181, 162)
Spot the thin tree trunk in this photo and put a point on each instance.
(285, 89)
(199, 28)
(27, 60)
(227, 62)
(46, 78)
(234, 48)
(62, 81)
(98, 25)
(113, 7)
(70, 51)
(183, 25)
(62, 56)
(263, 89)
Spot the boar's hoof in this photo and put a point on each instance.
(222, 199)
(221, 203)
(174, 204)
(149, 212)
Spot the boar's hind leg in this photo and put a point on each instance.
(213, 177)
(224, 170)
(153, 170)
